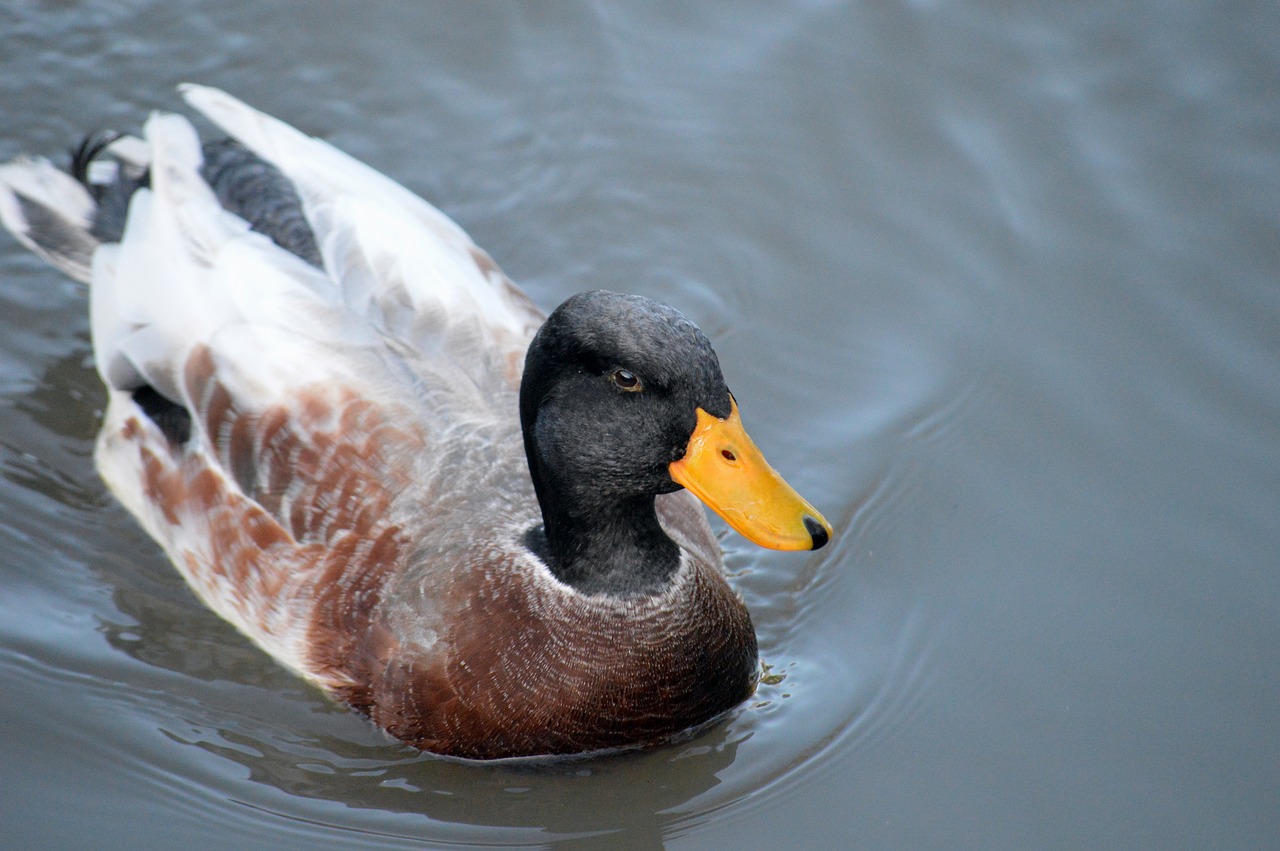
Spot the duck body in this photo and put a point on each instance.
(321, 419)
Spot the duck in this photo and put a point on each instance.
(479, 525)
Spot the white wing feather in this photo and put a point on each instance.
(189, 273)
(400, 261)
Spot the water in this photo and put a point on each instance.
(996, 288)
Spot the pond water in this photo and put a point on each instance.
(996, 286)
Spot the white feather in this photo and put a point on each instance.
(188, 273)
(392, 252)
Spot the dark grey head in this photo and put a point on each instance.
(612, 385)
(623, 399)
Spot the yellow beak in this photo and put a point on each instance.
(724, 469)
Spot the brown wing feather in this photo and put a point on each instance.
(281, 517)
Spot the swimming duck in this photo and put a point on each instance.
(367, 449)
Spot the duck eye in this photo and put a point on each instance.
(626, 379)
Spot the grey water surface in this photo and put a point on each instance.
(997, 286)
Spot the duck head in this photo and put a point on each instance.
(623, 399)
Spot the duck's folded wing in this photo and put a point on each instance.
(277, 503)
(398, 260)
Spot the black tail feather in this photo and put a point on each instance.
(112, 196)
(83, 155)
(245, 184)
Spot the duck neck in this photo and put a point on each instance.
(612, 547)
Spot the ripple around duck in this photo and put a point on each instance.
(167, 690)
(118, 659)
(180, 705)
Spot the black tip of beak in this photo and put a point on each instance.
(816, 531)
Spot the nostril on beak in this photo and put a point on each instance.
(816, 531)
